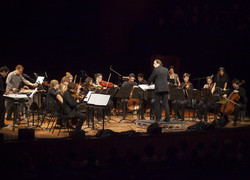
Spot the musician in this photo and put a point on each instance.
(221, 79)
(54, 99)
(203, 105)
(173, 77)
(141, 80)
(98, 79)
(181, 104)
(241, 104)
(127, 85)
(160, 78)
(3, 73)
(65, 80)
(69, 107)
(13, 81)
(69, 76)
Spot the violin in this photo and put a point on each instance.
(186, 85)
(46, 84)
(233, 98)
(106, 84)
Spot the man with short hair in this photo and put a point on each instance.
(160, 79)
(3, 73)
(69, 107)
(13, 81)
(127, 85)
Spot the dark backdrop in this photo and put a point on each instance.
(62, 35)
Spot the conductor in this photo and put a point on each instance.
(160, 78)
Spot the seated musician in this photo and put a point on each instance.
(141, 80)
(13, 81)
(69, 76)
(69, 107)
(100, 84)
(54, 98)
(65, 80)
(203, 105)
(173, 77)
(181, 104)
(127, 85)
(221, 79)
(3, 73)
(241, 104)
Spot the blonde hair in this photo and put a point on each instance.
(62, 88)
(53, 83)
(186, 75)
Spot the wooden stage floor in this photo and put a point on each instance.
(113, 124)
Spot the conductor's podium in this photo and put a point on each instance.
(165, 125)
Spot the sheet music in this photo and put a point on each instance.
(145, 87)
(87, 96)
(99, 99)
(39, 80)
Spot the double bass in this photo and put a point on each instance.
(233, 98)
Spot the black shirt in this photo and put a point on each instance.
(127, 88)
(52, 104)
(143, 82)
(221, 80)
(242, 93)
(2, 88)
(69, 104)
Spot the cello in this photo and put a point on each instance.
(133, 104)
(231, 101)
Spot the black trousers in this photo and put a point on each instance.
(2, 111)
(237, 110)
(202, 108)
(124, 107)
(152, 108)
(79, 120)
(180, 105)
(164, 97)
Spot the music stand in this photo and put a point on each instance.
(176, 94)
(194, 94)
(207, 95)
(99, 101)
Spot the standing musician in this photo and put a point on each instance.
(3, 73)
(180, 104)
(141, 80)
(241, 104)
(13, 81)
(203, 106)
(173, 77)
(221, 79)
(160, 77)
(69, 107)
(127, 85)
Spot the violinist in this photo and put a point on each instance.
(141, 80)
(69, 107)
(203, 106)
(98, 81)
(181, 104)
(65, 80)
(53, 98)
(221, 79)
(69, 76)
(241, 104)
(127, 85)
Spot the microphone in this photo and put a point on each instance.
(35, 74)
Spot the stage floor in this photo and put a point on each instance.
(113, 124)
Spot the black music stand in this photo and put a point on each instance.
(99, 101)
(110, 91)
(207, 95)
(194, 95)
(176, 94)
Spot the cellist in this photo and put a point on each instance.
(127, 85)
(241, 104)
